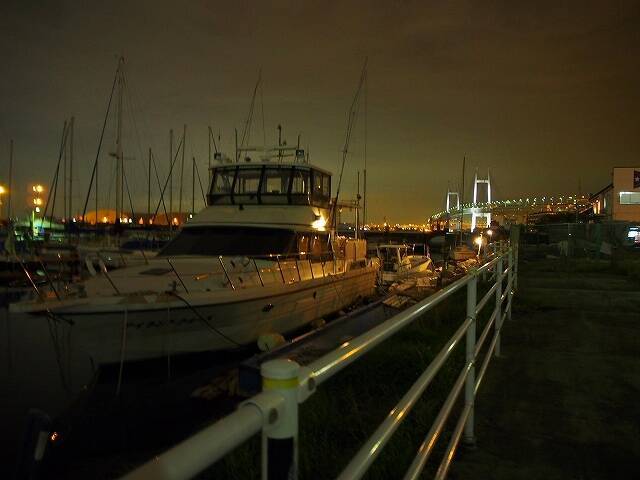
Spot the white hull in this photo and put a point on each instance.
(213, 321)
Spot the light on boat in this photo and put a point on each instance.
(478, 241)
(2, 190)
(489, 232)
(37, 209)
(319, 223)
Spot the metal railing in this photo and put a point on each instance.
(274, 412)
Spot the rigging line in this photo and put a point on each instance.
(95, 163)
(264, 132)
(175, 157)
(204, 199)
(134, 99)
(350, 124)
(54, 183)
(164, 206)
(130, 105)
(204, 320)
(126, 184)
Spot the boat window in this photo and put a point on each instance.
(275, 185)
(221, 185)
(319, 246)
(303, 244)
(321, 188)
(267, 184)
(246, 241)
(300, 186)
(246, 186)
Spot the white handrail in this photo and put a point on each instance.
(373, 446)
(334, 361)
(201, 450)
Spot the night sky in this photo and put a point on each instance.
(546, 94)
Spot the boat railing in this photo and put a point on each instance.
(281, 261)
(274, 413)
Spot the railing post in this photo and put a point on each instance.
(280, 441)
(510, 284)
(515, 269)
(498, 324)
(469, 388)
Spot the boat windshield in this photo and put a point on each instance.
(270, 185)
(245, 241)
(214, 241)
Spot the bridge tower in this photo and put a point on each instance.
(476, 214)
(455, 196)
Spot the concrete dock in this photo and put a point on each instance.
(563, 400)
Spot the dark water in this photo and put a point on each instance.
(98, 431)
(34, 375)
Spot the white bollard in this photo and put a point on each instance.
(280, 441)
(470, 385)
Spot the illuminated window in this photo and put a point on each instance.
(629, 198)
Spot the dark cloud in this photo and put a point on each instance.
(543, 93)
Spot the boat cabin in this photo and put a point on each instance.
(269, 184)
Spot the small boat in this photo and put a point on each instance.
(259, 259)
(400, 261)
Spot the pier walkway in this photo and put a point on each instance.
(562, 402)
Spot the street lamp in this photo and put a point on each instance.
(2, 192)
(36, 202)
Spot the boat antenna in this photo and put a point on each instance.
(246, 131)
(350, 124)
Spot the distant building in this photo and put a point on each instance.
(620, 200)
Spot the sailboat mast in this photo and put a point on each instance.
(119, 159)
(64, 185)
(193, 185)
(10, 178)
(170, 177)
(364, 173)
(210, 134)
(358, 208)
(464, 162)
(184, 138)
(71, 168)
(149, 187)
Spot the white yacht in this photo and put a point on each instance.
(259, 259)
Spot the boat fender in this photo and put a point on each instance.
(269, 341)
(34, 443)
